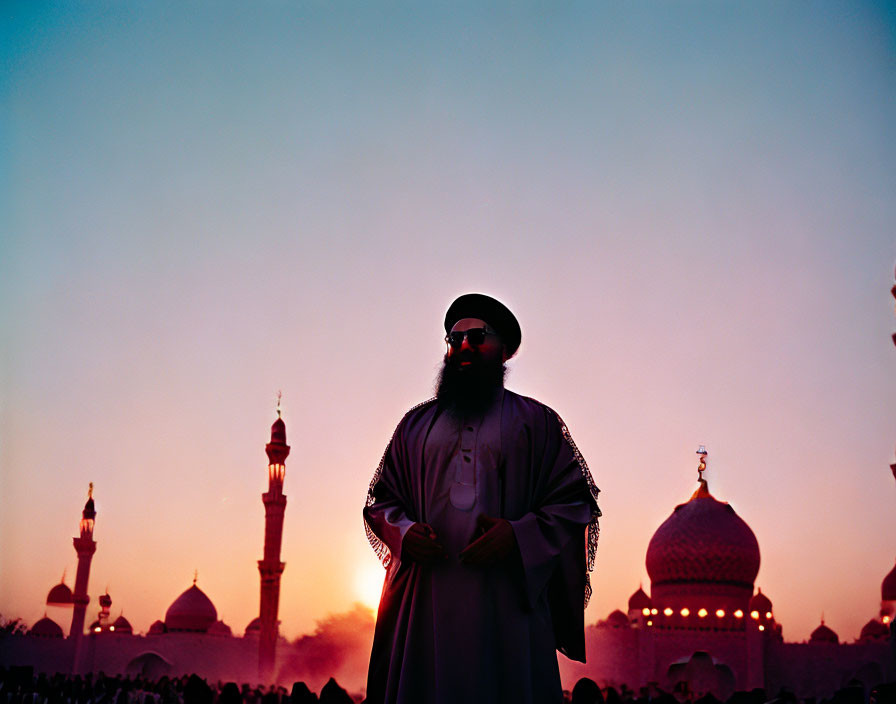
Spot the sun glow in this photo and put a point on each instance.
(369, 584)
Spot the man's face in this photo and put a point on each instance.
(490, 351)
(473, 370)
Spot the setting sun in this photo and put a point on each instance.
(369, 584)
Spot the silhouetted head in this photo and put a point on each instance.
(230, 694)
(586, 691)
(301, 694)
(332, 693)
(196, 691)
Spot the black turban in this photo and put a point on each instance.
(492, 311)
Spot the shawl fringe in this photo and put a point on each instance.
(379, 547)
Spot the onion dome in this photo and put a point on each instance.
(278, 431)
(823, 634)
(60, 595)
(122, 625)
(888, 586)
(219, 628)
(191, 611)
(639, 600)
(105, 600)
(46, 628)
(157, 628)
(89, 511)
(617, 619)
(874, 630)
(277, 449)
(703, 540)
(761, 603)
(254, 627)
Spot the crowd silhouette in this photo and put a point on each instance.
(21, 685)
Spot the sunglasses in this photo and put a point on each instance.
(475, 336)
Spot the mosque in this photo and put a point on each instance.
(190, 638)
(702, 628)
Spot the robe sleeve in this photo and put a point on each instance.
(387, 517)
(389, 511)
(562, 509)
(542, 536)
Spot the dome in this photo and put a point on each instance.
(703, 540)
(277, 449)
(874, 630)
(278, 431)
(761, 603)
(191, 611)
(46, 628)
(157, 628)
(219, 628)
(639, 600)
(254, 627)
(105, 600)
(888, 586)
(122, 625)
(60, 595)
(823, 634)
(617, 619)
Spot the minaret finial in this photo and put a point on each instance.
(701, 468)
(279, 396)
(195, 576)
(702, 487)
(90, 490)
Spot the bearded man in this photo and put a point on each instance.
(485, 516)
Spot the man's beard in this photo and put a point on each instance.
(470, 389)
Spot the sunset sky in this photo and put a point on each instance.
(689, 206)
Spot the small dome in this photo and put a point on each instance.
(219, 628)
(191, 611)
(639, 600)
(46, 628)
(254, 627)
(761, 603)
(277, 450)
(703, 540)
(60, 595)
(122, 625)
(823, 634)
(157, 628)
(888, 586)
(278, 431)
(617, 619)
(105, 600)
(874, 630)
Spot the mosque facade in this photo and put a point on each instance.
(702, 628)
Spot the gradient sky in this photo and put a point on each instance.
(689, 206)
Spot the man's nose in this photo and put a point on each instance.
(465, 345)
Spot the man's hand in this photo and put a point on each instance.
(495, 542)
(421, 544)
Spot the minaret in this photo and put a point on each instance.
(270, 566)
(85, 546)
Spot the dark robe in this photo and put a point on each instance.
(447, 632)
